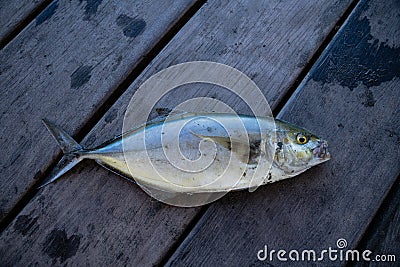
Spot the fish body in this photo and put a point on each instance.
(201, 153)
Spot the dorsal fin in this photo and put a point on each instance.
(163, 114)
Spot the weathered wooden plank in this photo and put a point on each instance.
(350, 98)
(64, 66)
(383, 234)
(93, 217)
(13, 13)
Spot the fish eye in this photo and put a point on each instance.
(301, 139)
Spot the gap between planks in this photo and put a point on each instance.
(292, 88)
(379, 218)
(101, 111)
(24, 23)
(204, 218)
(372, 225)
(315, 57)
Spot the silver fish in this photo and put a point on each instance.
(156, 156)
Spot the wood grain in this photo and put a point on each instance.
(63, 67)
(383, 234)
(91, 216)
(350, 99)
(13, 13)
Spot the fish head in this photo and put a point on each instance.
(297, 149)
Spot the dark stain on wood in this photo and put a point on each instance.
(117, 62)
(24, 224)
(163, 111)
(59, 246)
(91, 139)
(47, 13)
(327, 202)
(369, 99)
(111, 116)
(47, 50)
(90, 228)
(81, 76)
(131, 27)
(91, 7)
(17, 15)
(155, 208)
(357, 57)
(120, 255)
(276, 214)
(37, 175)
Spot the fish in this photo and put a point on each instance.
(199, 152)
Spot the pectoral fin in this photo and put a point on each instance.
(246, 152)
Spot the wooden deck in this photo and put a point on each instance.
(332, 67)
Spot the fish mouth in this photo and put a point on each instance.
(321, 151)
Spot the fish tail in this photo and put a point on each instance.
(72, 152)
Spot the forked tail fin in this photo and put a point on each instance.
(69, 146)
